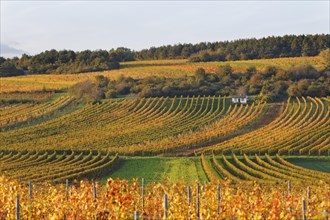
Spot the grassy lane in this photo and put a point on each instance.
(313, 164)
(159, 169)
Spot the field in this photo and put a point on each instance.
(201, 157)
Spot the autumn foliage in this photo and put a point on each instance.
(118, 199)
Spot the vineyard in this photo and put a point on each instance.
(302, 128)
(150, 126)
(120, 199)
(264, 169)
(129, 126)
(55, 166)
(19, 113)
(237, 157)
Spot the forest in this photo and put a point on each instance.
(68, 61)
(242, 49)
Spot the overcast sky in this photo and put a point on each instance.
(35, 26)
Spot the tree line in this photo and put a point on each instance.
(242, 49)
(68, 61)
(272, 84)
(65, 61)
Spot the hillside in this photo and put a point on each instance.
(52, 129)
(164, 110)
(142, 69)
(52, 139)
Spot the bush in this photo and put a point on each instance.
(111, 93)
(9, 69)
(87, 91)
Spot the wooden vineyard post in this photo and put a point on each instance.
(326, 214)
(289, 193)
(142, 192)
(189, 195)
(67, 189)
(308, 194)
(30, 189)
(165, 206)
(94, 191)
(136, 215)
(17, 208)
(219, 198)
(67, 194)
(303, 209)
(198, 201)
(188, 200)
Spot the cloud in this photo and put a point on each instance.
(9, 51)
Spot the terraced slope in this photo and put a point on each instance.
(129, 126)
(54, 165)
(302, 128)
(18, 113)
(264, 169)
(234, 119)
